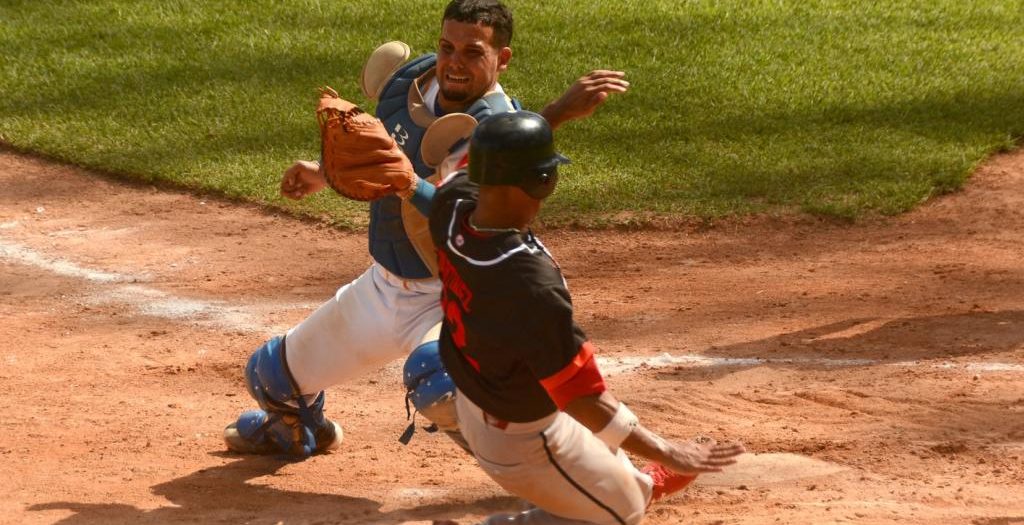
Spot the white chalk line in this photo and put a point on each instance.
(251, 318)
(19, 254)
(618, 365)
(212, 314)
(150, 301)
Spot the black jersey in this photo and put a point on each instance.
(508, 316)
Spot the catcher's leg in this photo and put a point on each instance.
(362, 327)
(287, 422)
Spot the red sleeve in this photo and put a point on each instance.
(579, 378)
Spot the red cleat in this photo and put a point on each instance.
(666, 482)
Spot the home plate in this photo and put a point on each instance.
(417, 494)
(768, 469)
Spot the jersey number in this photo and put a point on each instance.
(400, 135)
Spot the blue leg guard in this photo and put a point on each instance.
(431, 391)
(287, 423)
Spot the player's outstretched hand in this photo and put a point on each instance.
(301, 179)
(698, 457)
(584, 96)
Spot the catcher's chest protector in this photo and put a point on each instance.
(391, 244)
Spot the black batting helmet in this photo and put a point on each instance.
(515, 149)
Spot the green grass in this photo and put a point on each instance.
(831, 107)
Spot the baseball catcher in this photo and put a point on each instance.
(427, 107)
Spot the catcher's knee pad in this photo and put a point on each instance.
(429, 388)
(289, 422)
(268, 379)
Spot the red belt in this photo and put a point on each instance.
(495, 422)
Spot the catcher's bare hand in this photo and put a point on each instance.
(692, 457)
(301, 179)
(584, 96)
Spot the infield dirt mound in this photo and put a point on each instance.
(127, 314)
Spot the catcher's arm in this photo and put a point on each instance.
(598, 412)
(301, 179)
(584, 96)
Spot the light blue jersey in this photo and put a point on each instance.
(389, 244)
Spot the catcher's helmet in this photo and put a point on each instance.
(515, 149)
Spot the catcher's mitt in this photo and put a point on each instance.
(358, 157)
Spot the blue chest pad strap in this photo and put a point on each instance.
(388, 241)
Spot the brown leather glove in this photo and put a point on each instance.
(359, 159)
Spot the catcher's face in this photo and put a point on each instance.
(468, 64)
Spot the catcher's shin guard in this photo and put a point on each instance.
(431, 391)
(287, 422)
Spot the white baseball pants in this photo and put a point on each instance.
(369, 322)
(557, 465)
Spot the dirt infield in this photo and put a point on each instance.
(876, 370)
